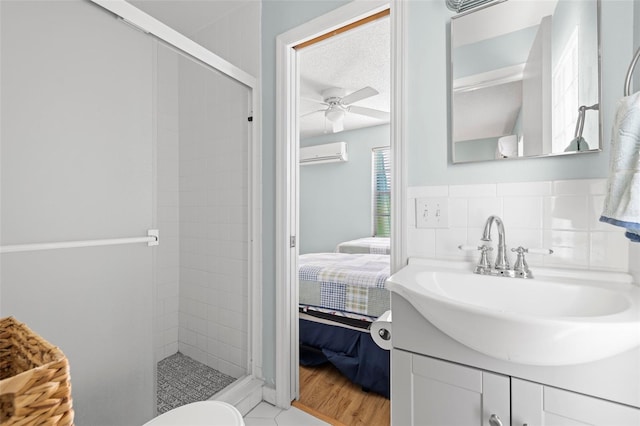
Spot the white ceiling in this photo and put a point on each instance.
(187, 16)
(487, 112)
(351, 60)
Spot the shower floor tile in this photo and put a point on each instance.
(182, 380)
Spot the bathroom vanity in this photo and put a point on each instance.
(436, 380)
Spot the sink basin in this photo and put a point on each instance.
(558, 318)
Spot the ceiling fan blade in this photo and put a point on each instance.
(311, 112)
(315, 101)
(338, 126)
(370, 112)
(358, 95)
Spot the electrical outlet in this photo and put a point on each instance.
(432, 212)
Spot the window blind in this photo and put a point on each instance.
(381, 192)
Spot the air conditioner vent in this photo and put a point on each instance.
(326, 153)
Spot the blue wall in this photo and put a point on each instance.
(428, 101)
(335, 198)
(278, 16)
(429, 155)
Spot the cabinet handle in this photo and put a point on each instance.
(494, 420)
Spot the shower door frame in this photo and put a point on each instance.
(152, 26)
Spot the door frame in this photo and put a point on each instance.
(287, 171)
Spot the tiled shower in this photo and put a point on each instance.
(201, 197)
(202, 286)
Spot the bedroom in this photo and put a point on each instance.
(344, 217)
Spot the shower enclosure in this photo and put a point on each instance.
(108, 131)
(202, 198)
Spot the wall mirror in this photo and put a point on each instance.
(525, 78)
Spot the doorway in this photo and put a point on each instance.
(287, 191)
(344, 228)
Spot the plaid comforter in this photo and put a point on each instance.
(348, 283)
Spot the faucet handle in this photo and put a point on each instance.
(484, 258)
(464, 247)
(539, 251)
(483, 263)
(521, 250)
(521, 267)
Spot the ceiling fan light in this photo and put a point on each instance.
(334, 114)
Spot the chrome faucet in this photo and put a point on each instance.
(502, 262)
(501, 267)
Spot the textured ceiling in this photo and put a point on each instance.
(351, 60)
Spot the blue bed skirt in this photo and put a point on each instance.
(353, 352)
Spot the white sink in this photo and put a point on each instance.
(561, 317)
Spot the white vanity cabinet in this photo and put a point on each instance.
(428, 391)
(535, 404)
(443, 393)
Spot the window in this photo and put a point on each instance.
(566, 97)
(381, 182)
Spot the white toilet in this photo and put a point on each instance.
(202, 413)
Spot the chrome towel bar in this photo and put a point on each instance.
(152, 239)
(627, 81)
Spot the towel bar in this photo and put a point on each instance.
(627, 81)
(152, 239)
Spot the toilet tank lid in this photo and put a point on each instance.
(201, 413)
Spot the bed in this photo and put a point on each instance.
(373, 245)
(341, 294)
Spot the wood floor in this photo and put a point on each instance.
(326, 391)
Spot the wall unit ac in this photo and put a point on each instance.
(327, 153)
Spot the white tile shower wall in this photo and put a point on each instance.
(167, 201)
(560, 215)
(213, 318)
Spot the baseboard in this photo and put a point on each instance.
(269, 395)
(244, 394)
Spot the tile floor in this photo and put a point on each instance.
(267, 415)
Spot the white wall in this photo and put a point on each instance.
(236, 36)
(76, 164)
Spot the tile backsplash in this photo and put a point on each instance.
(560, 215)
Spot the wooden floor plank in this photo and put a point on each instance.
(325, 390)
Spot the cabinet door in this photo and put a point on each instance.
(426, 391)
(537, 405)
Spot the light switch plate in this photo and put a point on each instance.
(432, 212)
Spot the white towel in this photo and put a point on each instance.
(507, 146)
(622, 203)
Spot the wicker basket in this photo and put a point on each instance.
(35, 388)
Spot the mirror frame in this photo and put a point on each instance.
(551, 154)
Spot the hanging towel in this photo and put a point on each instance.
(622, 203)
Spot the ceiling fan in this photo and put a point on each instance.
(337, 105)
